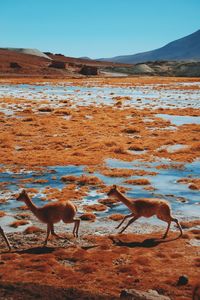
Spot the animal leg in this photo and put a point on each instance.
(55, 234)
(179, 226)
(127, 216)
(48, 232)
(74, 230)
(76, 227)
(129, 223)
(166, 232)
(5, 238)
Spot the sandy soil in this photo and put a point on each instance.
(95, 265)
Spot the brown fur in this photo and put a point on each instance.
(52, 213)
(145, 208)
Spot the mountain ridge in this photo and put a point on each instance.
(185, 48)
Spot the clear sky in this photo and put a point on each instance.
(96, 28)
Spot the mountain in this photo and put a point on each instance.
(186, 48)
(85, 57)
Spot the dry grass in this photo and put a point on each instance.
(69, 178)
(118, 172)
(82, 180)
(2, 213)
(131, 130)
(193, 183)
(88, 217)
(189, 224)
(33, 229)
(95, 207)
(108, 201)
(116, 217)
(120, 150)
(139, 181)
(18, 223)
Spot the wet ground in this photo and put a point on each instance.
(73, 140)
(146, 96)
(184, 201)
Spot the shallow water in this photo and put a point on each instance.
(173, 148)
(180, 120)
(140, 97)
(184, 201)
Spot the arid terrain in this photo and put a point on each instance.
(73, 138)
(18, 64)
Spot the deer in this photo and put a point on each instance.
(5, 238)
(52, 213)
(145, 208)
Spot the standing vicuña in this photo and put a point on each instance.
(145, 208)
(52, 213)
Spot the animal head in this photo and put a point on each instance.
(22, 196)
(112, 191)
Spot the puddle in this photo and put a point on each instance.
(9, 219)
(137, 152)
(180, 120)
(173, 148)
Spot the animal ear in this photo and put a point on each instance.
(23, 192)
(114, 186)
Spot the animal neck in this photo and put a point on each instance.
(125, 200)
(31, 205)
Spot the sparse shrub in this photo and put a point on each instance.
(32, 229)
(2, 213)
(116, 217)
(131, 130)
(96, 207)
(88, 217)
(139, 181)
(120, 150)
(18, 223)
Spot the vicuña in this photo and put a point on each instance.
(52, 213)
(145, 208)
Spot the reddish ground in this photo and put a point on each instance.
(104, 265)
(95, 265)
(33, 66)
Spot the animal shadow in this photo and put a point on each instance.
(37, 250)
(147, 243)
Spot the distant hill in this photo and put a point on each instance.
(32, 62)
(186, 48)
(85, 57)
(29, 51)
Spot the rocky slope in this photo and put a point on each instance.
(161, 68)
(186, 48)
(31, 62)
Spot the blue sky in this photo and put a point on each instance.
(96, 28)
